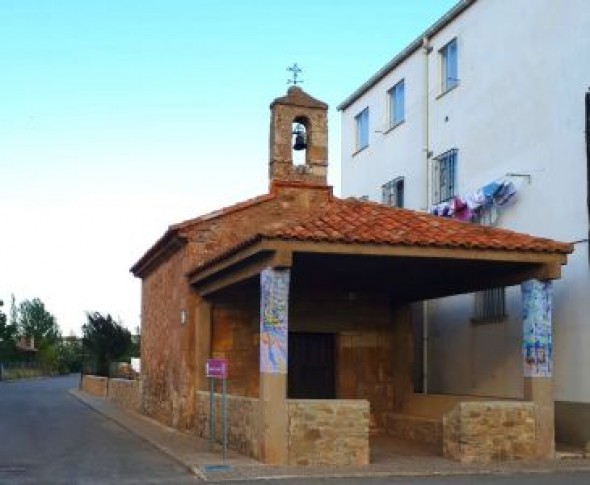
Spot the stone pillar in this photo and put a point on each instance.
(537, 350)
(274, 419)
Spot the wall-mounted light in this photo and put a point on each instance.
(182, 317)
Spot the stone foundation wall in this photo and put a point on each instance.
(415, 428)
(328, 432)
(486, 431)
(95, 385)
(125, 393)
(242, 421)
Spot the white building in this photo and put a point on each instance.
(495, 91)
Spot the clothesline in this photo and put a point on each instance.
(471, 206)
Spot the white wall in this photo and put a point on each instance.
(524, 68)
(398, 152)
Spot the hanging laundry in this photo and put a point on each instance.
(490, 190)
(506, 192)
(475, 199)
(444, 209)
(482, 204)
(461, 210)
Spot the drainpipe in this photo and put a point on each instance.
(426, 49)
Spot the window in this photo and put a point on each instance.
(392, 193)
(445, 167)
(490, 305)
(448, 60)
(397, 108)
(362, 129)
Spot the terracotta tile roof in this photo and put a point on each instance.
(353, 221)
(175, 233)
(360, 222)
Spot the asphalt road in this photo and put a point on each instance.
(47, 436)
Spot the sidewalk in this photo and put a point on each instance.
(194, 454)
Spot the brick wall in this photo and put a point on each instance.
(486, 431)
(125, 393)
(328, 432)
(95, 385)
(242, 419)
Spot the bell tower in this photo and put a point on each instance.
(300, 121)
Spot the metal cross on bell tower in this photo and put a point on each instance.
(295, 71)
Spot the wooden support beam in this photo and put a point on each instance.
(228, 275)
(415, 251)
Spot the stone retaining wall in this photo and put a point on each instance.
(95, 385)
(486, 431)
(242, 421)
(126, 393)
(328, 432)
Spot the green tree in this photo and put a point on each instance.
(7, 334)
(105, 339)
(69, 355)
(35, 321)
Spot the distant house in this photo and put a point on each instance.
(26, 346)
(486, 117)
(308, 298)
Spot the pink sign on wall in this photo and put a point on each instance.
(216, 368)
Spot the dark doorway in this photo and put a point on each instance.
(311, 366)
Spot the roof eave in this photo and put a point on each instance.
(168, 244)
(434, 29)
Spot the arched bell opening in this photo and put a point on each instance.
(300, 140)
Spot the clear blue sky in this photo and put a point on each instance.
(120, 117)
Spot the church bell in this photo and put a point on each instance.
(300, 142)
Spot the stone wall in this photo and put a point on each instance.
(126, 393)
(167, 345)
(328, 432)
(242, 422)
(95, 385)
(415, 428)
(421, 417)
(235, 336)
(172, 369)
(486, 431)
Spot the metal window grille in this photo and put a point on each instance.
(445, 167)
(392, 193)
(490, 305)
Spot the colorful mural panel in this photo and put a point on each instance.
(537, 342)
(274, 304)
